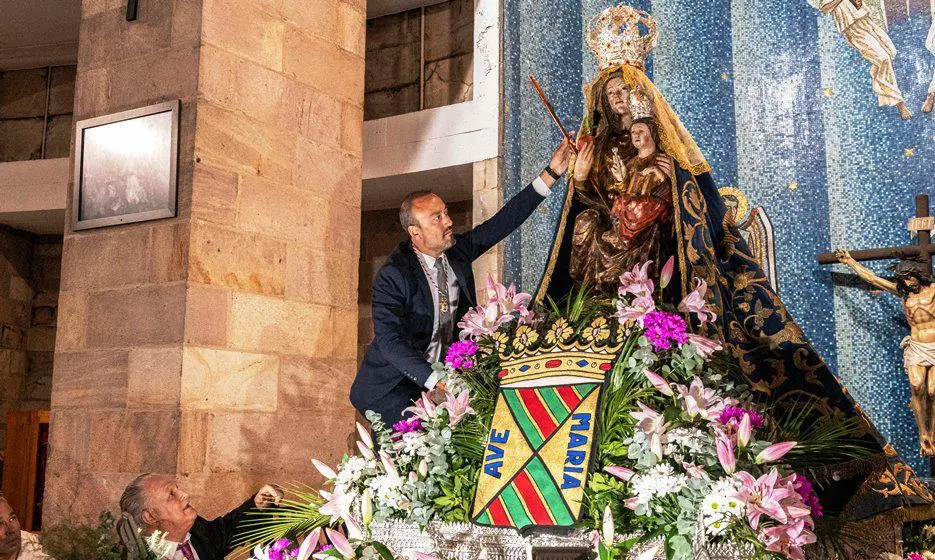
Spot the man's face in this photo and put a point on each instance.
(432, 233)
(166, 507)
(618, 96)
(641, 137)
(9, 531)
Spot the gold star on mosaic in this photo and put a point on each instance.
(828, 91)
(793, 185)
(724, 76)
(909, 152)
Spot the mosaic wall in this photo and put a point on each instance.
(782, 108)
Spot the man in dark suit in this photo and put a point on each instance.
(156, 503)
(424, 289)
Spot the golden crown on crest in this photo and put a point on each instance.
(615, 36)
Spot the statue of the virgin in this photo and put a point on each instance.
(641, 190)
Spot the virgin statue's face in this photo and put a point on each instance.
(618, 96)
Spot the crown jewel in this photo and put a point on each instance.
(641, 104)
(615, 38)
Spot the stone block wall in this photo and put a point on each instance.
(29, 280)
(396, 82)
(209, 344)
(15, 304)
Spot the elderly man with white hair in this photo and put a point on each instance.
(156, 503)
(16, 544)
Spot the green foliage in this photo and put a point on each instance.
(296, 516)
(919, 536)
(78, 541)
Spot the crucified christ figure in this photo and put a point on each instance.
(913, 285)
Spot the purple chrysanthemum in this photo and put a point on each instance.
(460, 354)
(736, 413)
(664, 328)
(809, 498)
(406, 426)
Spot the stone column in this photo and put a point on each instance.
(219, 345)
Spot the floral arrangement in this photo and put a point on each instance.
(683, 452)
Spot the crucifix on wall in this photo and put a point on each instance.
(911, 283)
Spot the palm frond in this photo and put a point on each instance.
(296, 515)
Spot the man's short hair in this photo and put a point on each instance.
(405, 209)
(132, 502)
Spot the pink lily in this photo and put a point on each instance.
(700, 401)
(666, 275)
(366, 507)
(659, 383)
(637, 281)
(774, 452)
(788, 539)
(458, 407)
(423, 408)
(423, 556)
(390, 467)
(340, 542)
(703, 345)
(507, 298)
(483, 321)
(649, 421)
(655, 445)
(354, 530)
(762, 496)
(725, 454)
(622, 473)
(365, 451)
(744, 432)
(337, 504)
(309, 544)
(364, 434)
(636, 310)
(631, 503)
(695, 302)
(607, 527)
(324, 469)
(693, 470)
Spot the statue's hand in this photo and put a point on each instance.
(584, 161)
(844, 256)
(664, 162)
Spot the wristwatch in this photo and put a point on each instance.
(552, 173)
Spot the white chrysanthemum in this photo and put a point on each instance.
(351, 471)
(387, 492)
(719, 507)
(685, 441)
(659, 480)
(412, 444)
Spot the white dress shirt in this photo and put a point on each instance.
(434, 352)
(178, 553)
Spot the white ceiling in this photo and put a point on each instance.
(450, 183)
(38, 32)
(378, 8)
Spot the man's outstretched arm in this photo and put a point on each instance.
(520, 207)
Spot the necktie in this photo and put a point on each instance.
(186, 550)
(445, 319)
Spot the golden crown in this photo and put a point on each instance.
(615, 37)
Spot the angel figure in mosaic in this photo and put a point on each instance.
(854, 23)
(641, 189)
(913, 285)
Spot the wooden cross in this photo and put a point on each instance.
(132, 6)
(921, 251)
